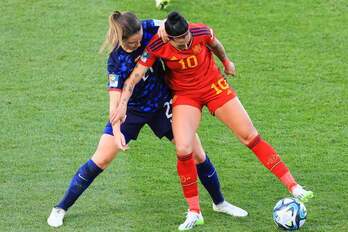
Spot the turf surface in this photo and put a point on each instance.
(291, 59)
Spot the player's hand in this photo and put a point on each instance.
(229, 67)
(120, 141)
(113, 117)
(120, 114)
(162, 33)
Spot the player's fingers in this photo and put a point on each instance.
(122, 118)
(124, 145)
(114, 119)
(123, 142)
(112, 115)
(117, 117)
(118, 143)
(162, 33)
(163, 36)
(228, 72)
(123, 139)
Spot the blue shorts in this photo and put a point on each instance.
(159, 122)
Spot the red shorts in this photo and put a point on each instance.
(214, 96)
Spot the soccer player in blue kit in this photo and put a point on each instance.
(150, 104)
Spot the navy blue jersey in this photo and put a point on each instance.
(151, 92)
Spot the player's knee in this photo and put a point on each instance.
(102, 161)
(247, 138)
(183, 149)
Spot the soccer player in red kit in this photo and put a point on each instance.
(196, 82)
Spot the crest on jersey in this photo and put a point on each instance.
(113, 80)
(144, 56)
(196, 49)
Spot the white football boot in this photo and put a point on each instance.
(228, 208)
(56, 217)
(192, 219)
(300, 193)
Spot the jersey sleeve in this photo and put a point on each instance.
(148, 58)
(210, 36)
(116, 73)
(202, 31)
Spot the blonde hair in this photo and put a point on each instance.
(121, 27)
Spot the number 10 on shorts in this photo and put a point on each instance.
(220, 86)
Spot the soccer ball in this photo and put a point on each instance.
(289, 214)
(162, 4)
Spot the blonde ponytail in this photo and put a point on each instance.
(113, 36)
(121, 26)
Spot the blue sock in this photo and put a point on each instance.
(210, 180)
(79, 183)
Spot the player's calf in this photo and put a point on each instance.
(271, 160)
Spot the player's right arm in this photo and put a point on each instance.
(114, 99)
(218, 49)
(116, 79)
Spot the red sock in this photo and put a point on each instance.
(271, 160)
(188, 178)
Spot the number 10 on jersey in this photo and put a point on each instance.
(188, 62)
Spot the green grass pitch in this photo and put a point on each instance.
(291, 59)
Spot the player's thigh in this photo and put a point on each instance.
(233, 115)
(131, 127)
(106, 151)
(186, 120)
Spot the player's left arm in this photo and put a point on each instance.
(218, 49)
(138, 72)
(127, 91)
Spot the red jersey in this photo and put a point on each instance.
(189, 71)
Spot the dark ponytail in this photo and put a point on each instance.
(175, 25)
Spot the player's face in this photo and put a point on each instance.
(133, 42)
(182, 43)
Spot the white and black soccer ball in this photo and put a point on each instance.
(289, 214)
